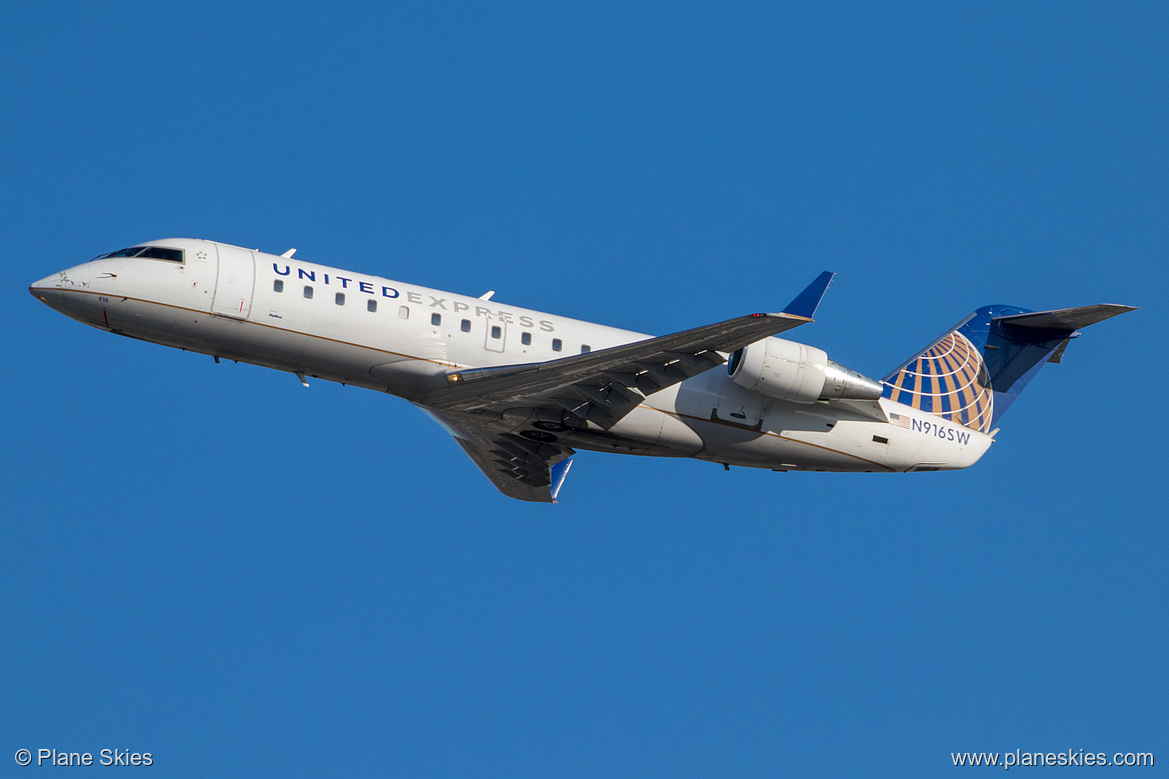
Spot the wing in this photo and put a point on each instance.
(518, 467)
(601, 386)
(605, 385)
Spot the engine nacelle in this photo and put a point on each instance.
(797, 373)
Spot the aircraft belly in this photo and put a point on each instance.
(794, 436)
(411, 362)
(337, 360)
(942, 453)
(848, 447)
(677, 436)
(648, 431)
(790, 436)
(136, 318)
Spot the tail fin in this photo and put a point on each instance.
(973, 373)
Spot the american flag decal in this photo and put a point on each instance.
(899, 420)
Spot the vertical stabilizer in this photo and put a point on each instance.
(973, 373)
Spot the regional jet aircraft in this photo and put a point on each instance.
(521, 390)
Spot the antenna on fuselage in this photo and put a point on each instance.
(288, 254)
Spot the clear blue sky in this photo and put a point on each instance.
(244, 577)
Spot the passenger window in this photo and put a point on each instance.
(465, 325)
(436, 319)
(526, 339)
(585, 349)
(340, 298)
(371, 305)
(556, 345)
(403, 312)
(496, 331)
(308, 292)
(278, 285)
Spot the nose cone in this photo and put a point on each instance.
(66, 291)
(46, 290)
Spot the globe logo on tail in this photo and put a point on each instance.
(949, 379)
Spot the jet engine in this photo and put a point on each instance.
(797, 373)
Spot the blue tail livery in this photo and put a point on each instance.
(972, 374)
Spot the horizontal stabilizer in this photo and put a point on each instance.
(1065, 319)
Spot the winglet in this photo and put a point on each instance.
(559, 473)
(806, 303)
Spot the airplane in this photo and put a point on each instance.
(521, 390)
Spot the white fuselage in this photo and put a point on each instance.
(402, 339)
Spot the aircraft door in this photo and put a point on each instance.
(496, 335)
(234, 282)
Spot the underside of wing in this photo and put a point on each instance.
(519, 468)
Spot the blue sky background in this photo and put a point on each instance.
(240, 576)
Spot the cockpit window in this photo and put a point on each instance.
(151, 252)
(159, 253)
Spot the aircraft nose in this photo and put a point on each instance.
(63, 291)
(46, 290)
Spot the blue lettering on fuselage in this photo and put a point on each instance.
(369, 288)
(944, 432)
(311, 275)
